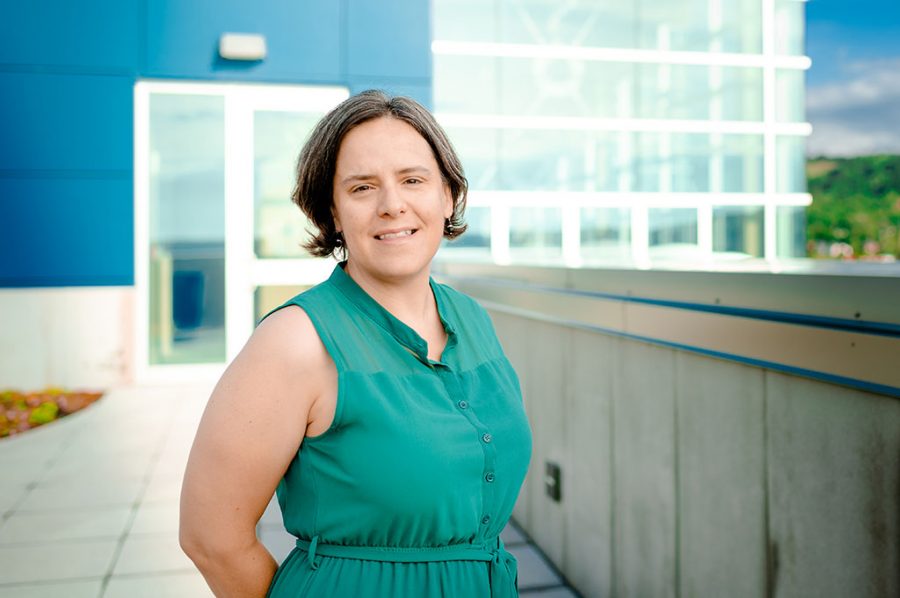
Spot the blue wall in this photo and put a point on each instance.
(67, 72)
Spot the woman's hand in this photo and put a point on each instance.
(252, 428)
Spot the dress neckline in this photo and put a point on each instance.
(404, 334)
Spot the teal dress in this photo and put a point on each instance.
(406, 492)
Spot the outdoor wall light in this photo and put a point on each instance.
(242, 46)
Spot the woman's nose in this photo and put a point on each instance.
(391, 201)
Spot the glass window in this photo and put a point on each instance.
(790, 168)
(605, 233)
(187, 229)
(555, 87)
(741, 26)
(266, 298)
(674, 25)
(684, 162)
(740, 158)
(699, 92)
(467, 84)
(696, 25)
(477, 235)
(572, 23)
(791, 227)
(478, 149)
(465, 20)
(535, 234)
(595, 89)
(789, 26)
(790, 97)
(280, 226)
(537, 159)
(738, 229)
(676, 226)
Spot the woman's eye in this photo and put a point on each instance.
(360, 188)
(413, 181)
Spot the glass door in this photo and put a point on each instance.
(218, 240)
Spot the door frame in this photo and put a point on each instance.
(243, 270)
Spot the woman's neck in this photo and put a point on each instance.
(410, 300)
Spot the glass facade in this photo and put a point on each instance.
(680, 118)
(279, 225)
(187, 229)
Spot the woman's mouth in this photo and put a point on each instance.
(396, 235)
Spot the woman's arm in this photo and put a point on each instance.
(252, 428)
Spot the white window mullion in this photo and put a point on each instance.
(238, 222)
(769, 131)
(500, 234)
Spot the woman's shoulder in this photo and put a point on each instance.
(288, 332)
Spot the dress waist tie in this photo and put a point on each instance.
(502, 571)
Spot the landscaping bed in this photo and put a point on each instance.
(22, 411)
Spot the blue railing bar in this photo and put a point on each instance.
(829, 322)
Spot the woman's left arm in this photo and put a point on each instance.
(251, 430)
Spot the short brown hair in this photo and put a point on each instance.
(314, 188)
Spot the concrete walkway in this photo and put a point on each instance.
(90, 505)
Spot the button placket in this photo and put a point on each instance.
(454, 389)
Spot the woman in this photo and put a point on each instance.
(379, 403)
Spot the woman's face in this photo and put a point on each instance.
(389, 200)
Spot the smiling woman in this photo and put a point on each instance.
(379, 403)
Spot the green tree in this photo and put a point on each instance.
(855, 201)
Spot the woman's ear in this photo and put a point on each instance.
(448, 200)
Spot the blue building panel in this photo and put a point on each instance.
(53, 122)
(302, 38)
(100, 35)
(67, 75)
(389, 38)
(66, 232)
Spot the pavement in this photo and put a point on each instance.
(89, 505)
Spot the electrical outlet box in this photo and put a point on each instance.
(552, 481)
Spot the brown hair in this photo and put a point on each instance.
(314, 189)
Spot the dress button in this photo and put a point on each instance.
(486, 437)
(489, 477)
(463, 405)
(486, 519)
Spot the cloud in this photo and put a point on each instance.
(859, 115)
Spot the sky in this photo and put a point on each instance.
(853, 86)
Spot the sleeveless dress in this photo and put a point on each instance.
(406, 492)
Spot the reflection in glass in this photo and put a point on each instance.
(187, 229)
(595, 89)
(538, 160)
(790, 168)
(790, 91)
(676, 226)
(605, 233)
(789, 26)
(791, 227)
(738, 229)
(279, 225)
(478, 149)
(693, 25)
(741, 160)
(535, 233)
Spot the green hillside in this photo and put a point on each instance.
(855, 200)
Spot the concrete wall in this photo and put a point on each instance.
(71, 337)
(686, 475)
